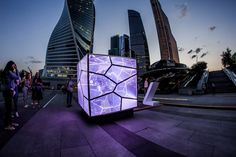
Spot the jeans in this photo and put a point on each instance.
(8, 95)
(69, 97)
(15, 100)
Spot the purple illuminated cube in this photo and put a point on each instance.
(106, 84)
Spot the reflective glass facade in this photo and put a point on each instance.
(71, 39)
(168, 46)
(138, 41)
(124, 46)
(115, 46)
(120, 46)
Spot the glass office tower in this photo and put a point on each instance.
(168, 46)
(120, 46)
(124, 46)
(71, 39)
(138, 41)
(115, 46)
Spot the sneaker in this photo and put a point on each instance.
(17, 114)
(10, 128)
(26, 106)
(15, 124)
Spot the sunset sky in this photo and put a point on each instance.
(26, 26)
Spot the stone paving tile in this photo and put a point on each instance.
(81, 151)
(134, 143)
(102, 144)
(203, 138)
(177, 144)
(64, 132)
(179, 133)
(203, 127)
(44, 153)
(24, 148)
(224, 149)
(152, 119)
(166, 140)
(72, 135)
(135, 124)
(228, 132)
(193, 137)
(199, 150)
(199, 113)
(226, 124)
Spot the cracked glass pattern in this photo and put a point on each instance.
(86, 106)
(128, 89)
(100, 85)
(80, 95)
(99, 64)
(84, 83)
(119, 74)
(122, 61)
(112, 85)
(105, 104)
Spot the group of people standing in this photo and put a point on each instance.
(12, 81)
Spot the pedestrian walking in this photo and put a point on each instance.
(9, 83)
(25, 83)
(37, 90)
(213, 88)
(69, 89)
(15, 97)
(146, 84)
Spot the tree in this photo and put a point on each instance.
(1, 79)
(1, 74)
(234, 58)
(226, 58)
(199, 67)
(233, 66)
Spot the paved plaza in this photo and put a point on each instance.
(57, 131)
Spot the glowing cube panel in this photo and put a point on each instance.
(106, 84)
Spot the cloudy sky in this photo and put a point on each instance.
(204, 25)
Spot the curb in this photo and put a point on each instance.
(201, 106)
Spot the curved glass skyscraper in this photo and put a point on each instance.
(71, 39)
(138, 41)
(167, 42)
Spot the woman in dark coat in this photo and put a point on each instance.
(37, 94)
(9, 82)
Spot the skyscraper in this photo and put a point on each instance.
(71, 39)
(115, 46)
(138, 41)
(124, 46)
(120, 46)
(168, 46)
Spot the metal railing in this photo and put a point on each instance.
(202, 82)
(231, 75)
(189, 80)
